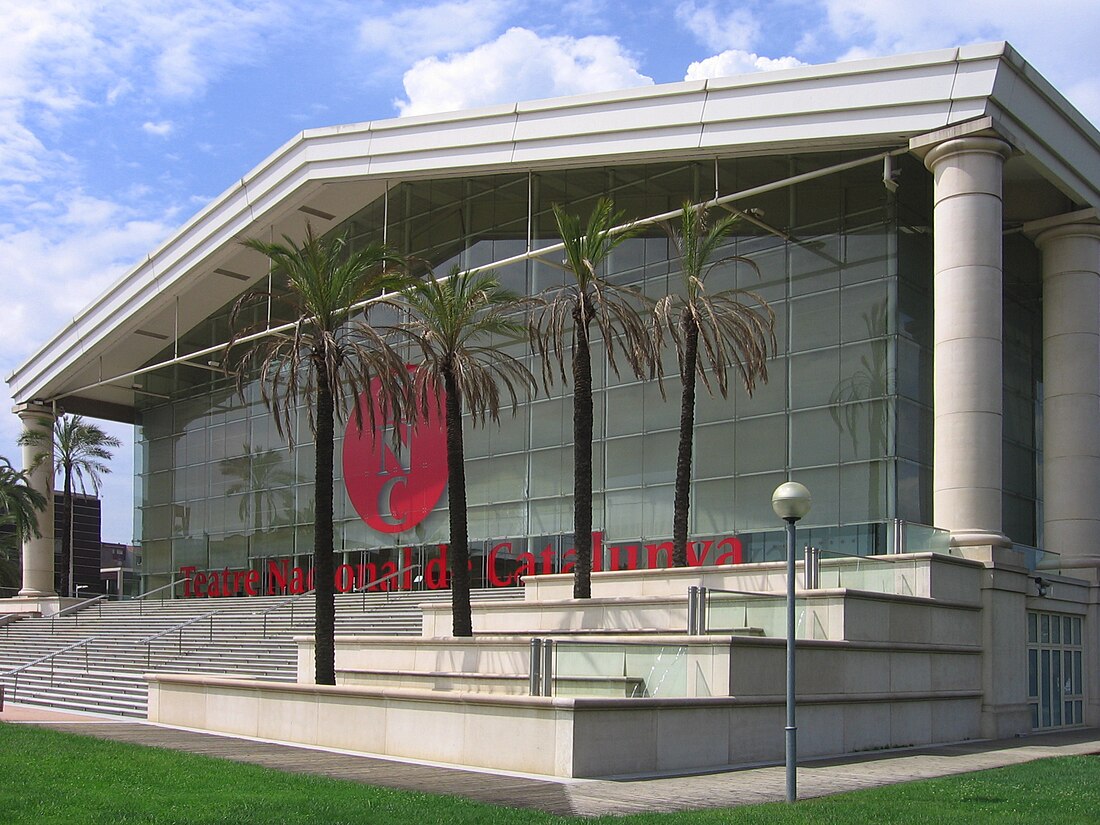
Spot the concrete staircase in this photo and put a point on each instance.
(102, 652)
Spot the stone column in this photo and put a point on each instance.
(38, 552)
(967, 404)
(1071, 394)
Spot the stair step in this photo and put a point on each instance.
(119, 657)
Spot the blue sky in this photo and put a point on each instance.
(119, 120)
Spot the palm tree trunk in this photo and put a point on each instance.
(67, 533)
(462, 621)
(582, 457)
(682, 501)
(324, 587)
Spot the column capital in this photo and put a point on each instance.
(1066, 230)
(966, 145)
(30, 409)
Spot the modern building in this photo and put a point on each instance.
(924, 227)
(119, 569)
(86, 544)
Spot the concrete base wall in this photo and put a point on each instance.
(924, 649)
(559, 737)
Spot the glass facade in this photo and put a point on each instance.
(846, 410)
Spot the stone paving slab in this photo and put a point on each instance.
(587, 797)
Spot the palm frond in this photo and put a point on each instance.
(20, 503)
(735, 327)
(327, 280)
(459, 324)
(566, 313)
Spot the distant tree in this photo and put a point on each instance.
(564, 324)
(20, 505)
(459, 324)
(712, 332)
(327, 360)
(80, 454)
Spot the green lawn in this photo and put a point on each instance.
(48, 777)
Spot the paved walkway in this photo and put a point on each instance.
(581, 796)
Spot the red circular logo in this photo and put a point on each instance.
(394, 484)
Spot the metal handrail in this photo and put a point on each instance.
(768, 593)
(48, 657)
(176, 627)
(363, 589)
(381, 579)
(148, 640)
(76, 608)
(291, 601)
(157, 590)
(697, 605)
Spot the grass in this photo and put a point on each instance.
(48, 777)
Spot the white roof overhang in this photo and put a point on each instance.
(335, 171)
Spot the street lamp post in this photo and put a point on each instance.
(791, 501)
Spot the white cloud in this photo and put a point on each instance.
(719, 28)
(81, 246)
(1059, 40)
(412, 33)
(734, 62)
(70, 251)
(61, 56)
(518, 65)
(161, 128)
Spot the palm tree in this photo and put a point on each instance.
(327, 361)
(81, 452)
(19, 507)
(564, 324)
(459, 324)
(711, 332)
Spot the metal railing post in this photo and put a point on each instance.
(535, 668)
(548, 667)
(812, 568)
(701, 606)
(693, 610)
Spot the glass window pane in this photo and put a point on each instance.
(864, 311)
(753, 502)
(769, 397)
(624, 410)
(625, 462)
(712, 510)
(714, 453)
(761, 444)
(815, 437)
(815, 378)
(551, 472)
(507, 478)
(815, 321)
(863, 492)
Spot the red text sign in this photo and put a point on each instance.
(505, 568)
